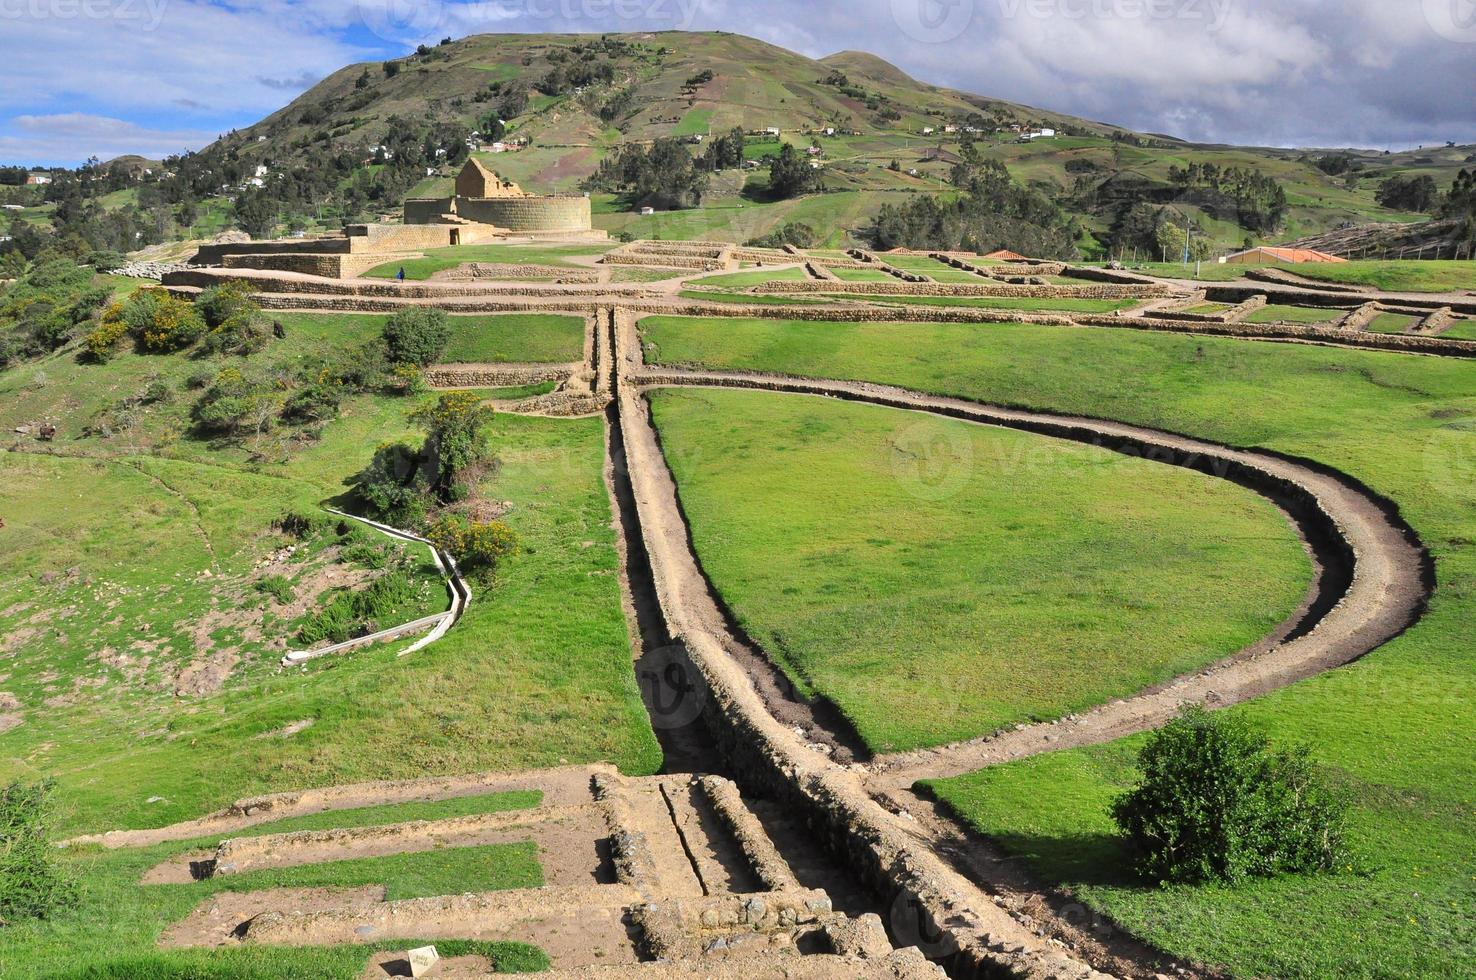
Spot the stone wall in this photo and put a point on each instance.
(1155, 291)
(428, 210)
(519, 214)
(1283, 278)
(495, 375)
(332, 266)
(415, 237)
(216, 254)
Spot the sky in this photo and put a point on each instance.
(154, 77)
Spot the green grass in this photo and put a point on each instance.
(931, 268)
(515, 337)
(999, 302)
(1462, 330)
(1392, 323)
(439, 259)
(833, 532)
(863, 275)
(1408, 275)
(1295, 314)
(113, 929)
(444, 871)
(134, 513)
(753, 277)
(694, 122)
(1396, 727)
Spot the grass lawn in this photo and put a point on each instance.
(1462, 330)
(112, 930)
(143, 513)
(1392, 323)
(1398, 728)
(515, 337)
(931, 268)
(833, 532)
(1295, 314)
(1000, 302)
(695, 122)
(865, 275)
(437, 259)
(753, 277)
(1407, 276)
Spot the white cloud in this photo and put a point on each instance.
(75, 136)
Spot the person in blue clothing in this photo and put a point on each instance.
(401, 274)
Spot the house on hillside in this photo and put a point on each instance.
(33, 179)
(1272, 255)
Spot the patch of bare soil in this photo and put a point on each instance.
(288, 730)
(397, 964)
(221, 918)
(11, 714)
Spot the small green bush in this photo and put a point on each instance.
(479, 547)
(278, 587)
(353, 614)
(1216, 801)
(416, 336)
(33, 883)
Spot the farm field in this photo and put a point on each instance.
(1395, 728)
(833, 532)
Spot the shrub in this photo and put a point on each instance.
(234, 404)
(276, 586)
(478, 547)
(315, 403)
(1216, 801)
(416, 336)
(242, 333)
(455, 442)
(160, 323)
(103, 341)
(353, 614)
(33, 884)
(391, 487)
(218, 304)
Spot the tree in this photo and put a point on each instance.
(455, 443)
(1408, 193)
(416, 336)
(1214, 800)
(790, 173)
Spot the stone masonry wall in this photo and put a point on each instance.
(571, 214)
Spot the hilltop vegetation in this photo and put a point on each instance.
(355, 144)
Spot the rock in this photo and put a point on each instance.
(865, 937)
(424, 961)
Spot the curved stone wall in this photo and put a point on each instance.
(571, 214)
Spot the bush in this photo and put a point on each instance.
(478, 547)
(218, 304)
(242, 333)
(416, 336)
(234, 404)
(315, 403)
(455, 442)
(391, 487)
(276, 586)
(33, 884)
(160, 323)
(1216, 801)
(103, 341)
(352, 614)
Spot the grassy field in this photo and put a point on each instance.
(752, 277)
(1393, 275)
(475, 339)
(1396, 728)
(104, 598)
(439, 259)
(863, 275)
(1391, 323)
(833, 532)
(931, 268)
(1463, 330)
(1275, 313)
(112, 930)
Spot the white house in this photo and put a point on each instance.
(950, 128)
(648, 210)
(927, 131)
(34, 179)
(261, 171)
(772, 131)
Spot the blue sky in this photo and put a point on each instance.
(108, 77)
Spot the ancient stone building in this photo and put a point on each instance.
(482, 197)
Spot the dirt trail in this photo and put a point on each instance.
(1389, 585)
